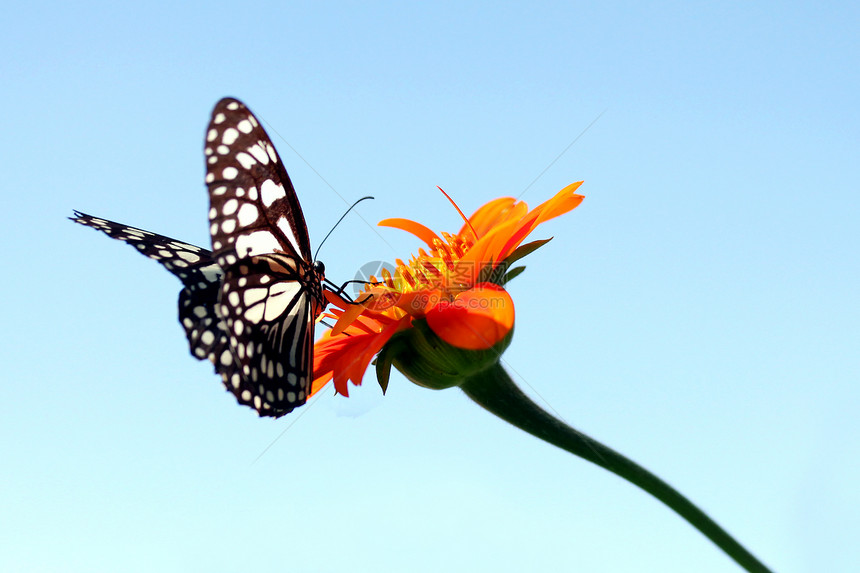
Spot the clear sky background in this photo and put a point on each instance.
(698, 312)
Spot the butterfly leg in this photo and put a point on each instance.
(341, 292)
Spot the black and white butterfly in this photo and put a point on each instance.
(251, 303)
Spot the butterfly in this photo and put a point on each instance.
(250, 304)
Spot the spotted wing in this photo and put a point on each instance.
(271, 294)
(194, 267)
(269, 311)
(198, 301)
(254, 208)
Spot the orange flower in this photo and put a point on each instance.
(455, 287)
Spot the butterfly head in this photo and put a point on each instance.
(319, 269)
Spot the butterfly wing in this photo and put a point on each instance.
(197, 270)
(254, 207)
(270, 294)
(199, 313)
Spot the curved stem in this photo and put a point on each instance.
(494, 390)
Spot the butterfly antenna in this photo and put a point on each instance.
(338, 223)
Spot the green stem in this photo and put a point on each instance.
(494, 390)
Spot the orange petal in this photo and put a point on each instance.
(488, 215)
(514, 241)
(334, 298)
(490, 245)
(378, 299)
(409, 226)
(563, 201)
(320, 383)
(477, 319)
(345, 357)
(501, 234)
(417, 303)
(349, 315)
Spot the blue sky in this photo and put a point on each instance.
(698, 312)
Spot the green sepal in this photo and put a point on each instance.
(383, 367)
(512, 274)
(428, 361)
(524, 250)
(500, 274)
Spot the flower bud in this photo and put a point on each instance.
(427, 360)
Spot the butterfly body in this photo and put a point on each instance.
(250, 304)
